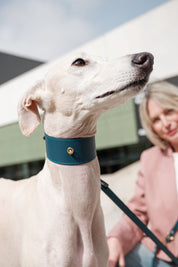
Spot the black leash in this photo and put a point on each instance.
(105, 188)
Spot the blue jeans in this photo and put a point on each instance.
(140, 256)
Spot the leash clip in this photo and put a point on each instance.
(170, 236)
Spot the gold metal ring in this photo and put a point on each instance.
(70, 150)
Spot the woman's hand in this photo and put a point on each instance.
(115, 252)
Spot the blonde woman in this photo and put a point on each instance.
(156, 196)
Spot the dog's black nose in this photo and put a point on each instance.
(143, 60)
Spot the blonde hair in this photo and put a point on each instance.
(166, 96)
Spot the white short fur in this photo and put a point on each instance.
(54, 219)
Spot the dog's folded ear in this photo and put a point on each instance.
(29, 117)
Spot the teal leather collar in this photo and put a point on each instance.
(70, 151)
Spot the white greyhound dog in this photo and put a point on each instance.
(54, 219)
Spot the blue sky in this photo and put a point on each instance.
(46, 29)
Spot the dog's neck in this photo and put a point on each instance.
(69, 127)
(70, 151)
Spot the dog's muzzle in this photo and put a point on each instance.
(144, 63)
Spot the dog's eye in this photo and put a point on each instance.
(79, 62)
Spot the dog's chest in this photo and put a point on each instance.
(80, 187)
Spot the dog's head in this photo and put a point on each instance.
(83, 88)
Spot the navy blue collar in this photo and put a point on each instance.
(70, 151)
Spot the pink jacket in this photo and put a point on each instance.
(155, 201)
